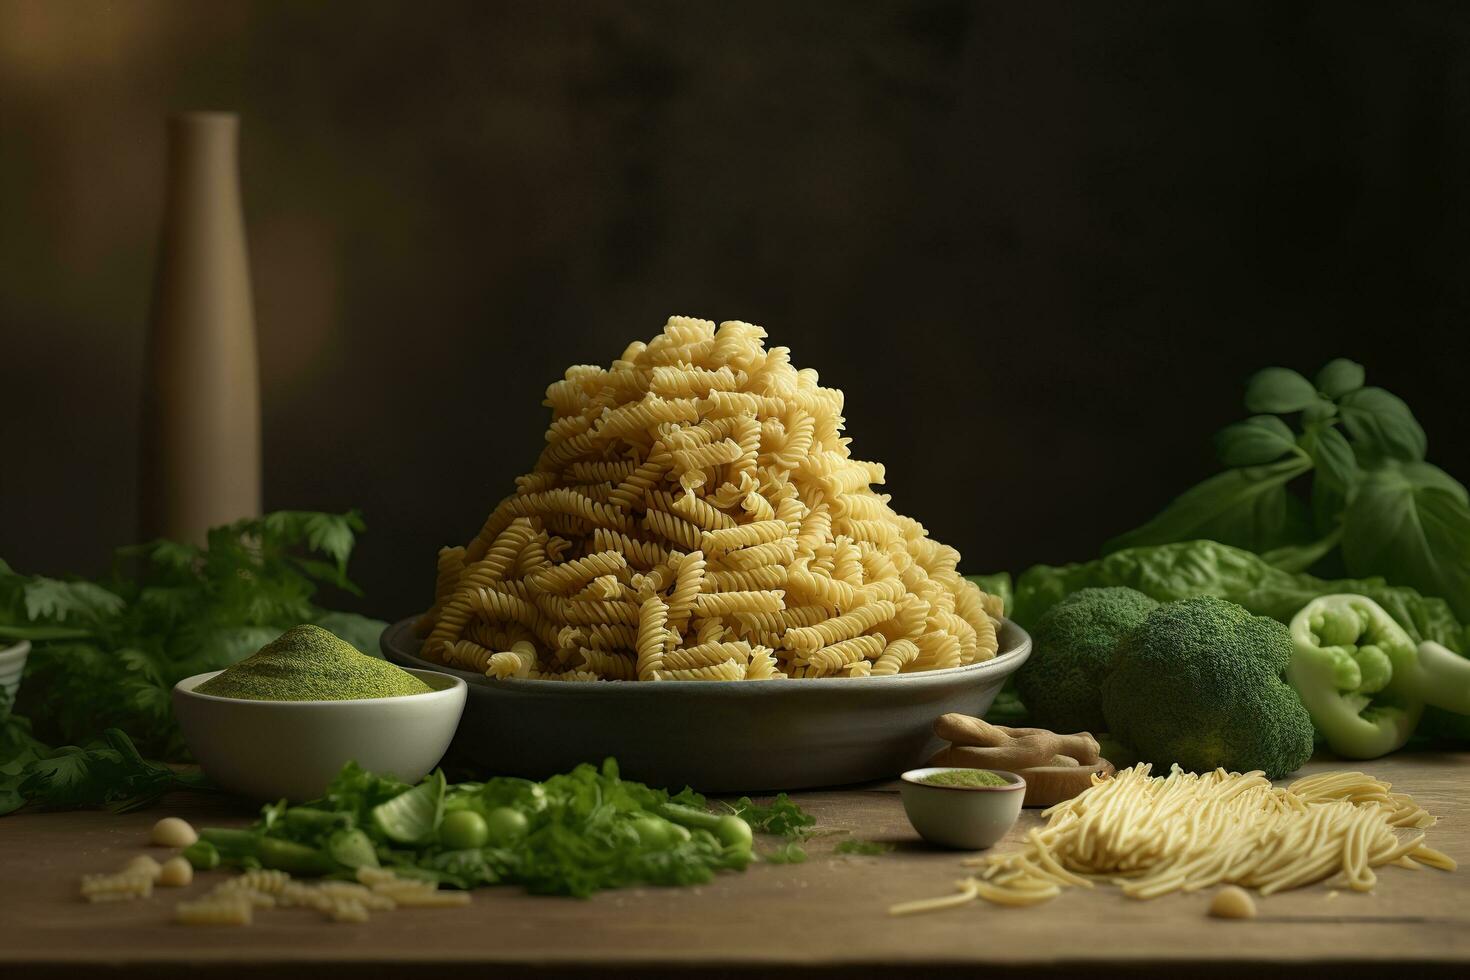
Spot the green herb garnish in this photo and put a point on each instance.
(105, 654)
(867, 847)
(781, 817)
(108, 772)
(574, 834)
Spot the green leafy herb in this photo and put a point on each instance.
(108, 772)
(1369, 504)
(782, 817)
(867, 847)
(106, 653)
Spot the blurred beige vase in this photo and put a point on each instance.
(201, 402)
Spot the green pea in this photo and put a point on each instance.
(734, 832)
(653, 832)
(463, 830)
(505, 825)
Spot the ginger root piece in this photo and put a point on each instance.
(1055, 767)
(1012, 748)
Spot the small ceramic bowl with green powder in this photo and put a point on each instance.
(283, 721)
(967, 809)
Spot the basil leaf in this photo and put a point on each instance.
(1300, 557)
(1259, 439)
(1332, 456)
(1246, 507)
(1278, 390)
(1340, 376)
(1382, 425)
(1411, 525)
(1319, 411)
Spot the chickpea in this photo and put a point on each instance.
(144, 865)
(173, 832)
(1233, 902)
(176, 873)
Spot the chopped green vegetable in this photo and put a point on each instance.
(297, 859)
(1364, 680)
(354, 849)
(866, 847)
(412, 817)
(574, 834)
(1200, 684)
(202, 855)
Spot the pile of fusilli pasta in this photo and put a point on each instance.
(696, 515)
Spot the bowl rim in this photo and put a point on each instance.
(185, 688)
(1004, 662)
(18, 650)
(915, 777)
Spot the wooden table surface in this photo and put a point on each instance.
(827, 915)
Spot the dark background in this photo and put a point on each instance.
(1039, 245)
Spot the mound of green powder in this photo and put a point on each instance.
(965, 777)
(307, 663)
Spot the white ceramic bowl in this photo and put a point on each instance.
(964, 817)
(292, 749)
(12, 663)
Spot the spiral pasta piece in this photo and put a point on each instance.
(726, 603)
(653, 637)
(844, 627)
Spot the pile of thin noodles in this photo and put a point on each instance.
(1184, 832)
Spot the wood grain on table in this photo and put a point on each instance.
(828, 914)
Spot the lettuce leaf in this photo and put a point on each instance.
(1177, 571)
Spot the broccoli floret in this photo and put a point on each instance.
(1200, 684)
(1071, 653)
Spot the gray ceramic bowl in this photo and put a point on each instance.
(718, 737)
